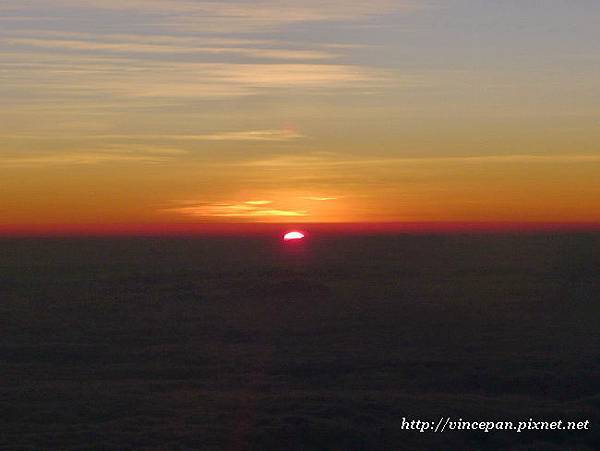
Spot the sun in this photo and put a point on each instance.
(291, 236)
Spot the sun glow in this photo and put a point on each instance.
(291, 236)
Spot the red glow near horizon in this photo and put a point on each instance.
(260, 229)
(292, 236)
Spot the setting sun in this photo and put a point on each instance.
(291, 236)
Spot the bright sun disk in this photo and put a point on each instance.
(293, 236)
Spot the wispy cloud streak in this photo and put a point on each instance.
(331, 161)
(175, 46)
(177, 80)
(236, 15)
(235, 210)
(77, 158)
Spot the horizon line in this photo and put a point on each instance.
(244, 228)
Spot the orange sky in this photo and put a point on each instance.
(190, 112)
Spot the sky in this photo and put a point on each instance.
(315, 111)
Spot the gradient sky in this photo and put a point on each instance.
(184, 111)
